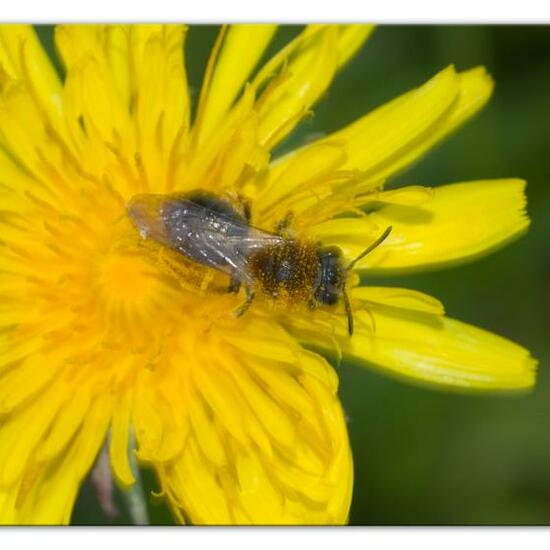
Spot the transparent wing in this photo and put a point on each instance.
(222, 243)
(255, 239)
(219, 253)
(210, 233)
(235, 250)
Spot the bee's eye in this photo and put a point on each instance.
(330, 276)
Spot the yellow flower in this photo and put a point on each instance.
(239, 417)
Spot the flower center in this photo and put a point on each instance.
(126, 279)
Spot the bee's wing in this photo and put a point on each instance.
(255, 239)
(234, 249)
(217, 239)
(227, 255)
(221, 242)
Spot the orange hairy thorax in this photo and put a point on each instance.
(287, 270)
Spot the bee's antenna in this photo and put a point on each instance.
(370, 248)
(349, 311)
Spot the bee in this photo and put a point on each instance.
(215, 231)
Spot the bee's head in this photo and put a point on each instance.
(331, 276)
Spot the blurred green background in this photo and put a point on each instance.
(424, 456)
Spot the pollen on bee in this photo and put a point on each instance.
(286, 270)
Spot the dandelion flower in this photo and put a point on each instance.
(238, 417)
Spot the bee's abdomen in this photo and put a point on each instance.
(287, 270)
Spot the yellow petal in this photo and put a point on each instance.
(385, 133)
(118, 49)
(22, 55)
(242, 47)
(307, 75)
(104, 114)
(427, 348)
(22, 129)
(230, 150)
(53, 485)
(475, 89)
(126, 102)
(44, 458)
(402, 298)
(290, 82)
(454, 223)
(463, 221)
(302, 172)
(21, 433)
(159, 417)
(411, 195)
(204, 430)
(74, 42)
(381, 156)
(161, 102)
(66, 425)
(119, 447)
(47, 494)
(351, 38)
(441, 351)
(393, 136)
(143, 63)
(268, 443)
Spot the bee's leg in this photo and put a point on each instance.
(312, 304)
(170, 263)
(245, 205)
(234, 284)
(282, 225)
(349, 312)
(206, 280)
(247, 210)
(242, 309)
